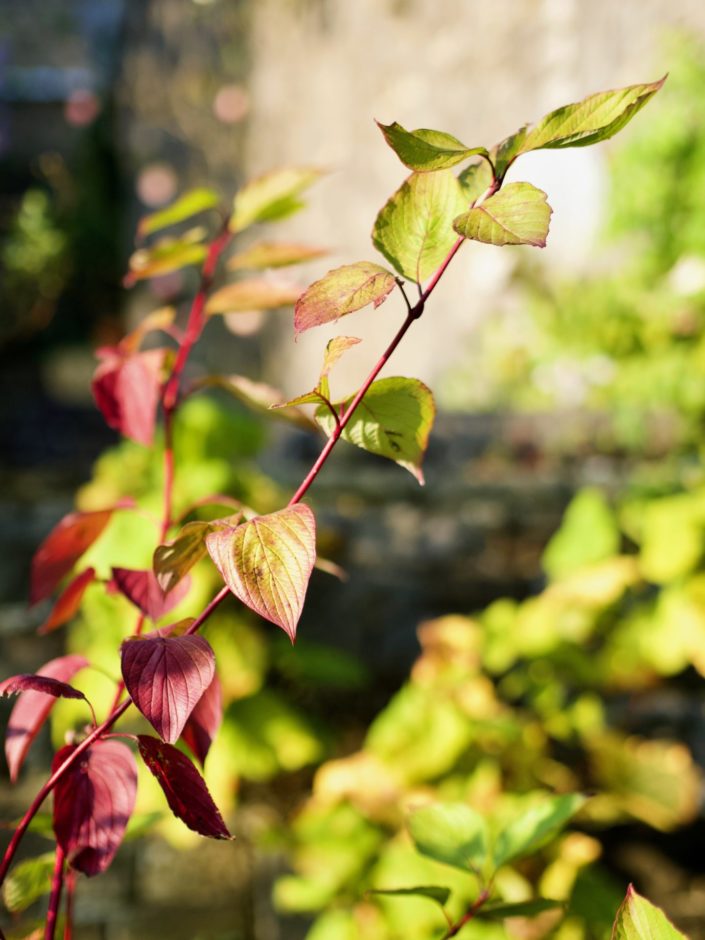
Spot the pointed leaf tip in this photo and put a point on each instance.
(267, 562)
(425, 150)
(166, 677)
(184, 788)
(341, 291)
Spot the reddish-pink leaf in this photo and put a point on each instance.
(342, 291)
(166, 677)
(31, 710)
(185, 790)
(143, 590)
(62, 548)
(267, 561)
(126, 389)
(27, 682)
(205, 719)
(93, 802)
(68, 602)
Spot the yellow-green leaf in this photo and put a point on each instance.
(334, 350)
(271, 196)
(516, 215)
(27, 882)
(190, 204)
(273, 255)
(342, 291)
(252, 294)
(173, 561)
(262, 398)
(393, 420)
(639, 919)
(166, 255)
(453, 833)
(414, 229)
(267, 562)
(475, 180)
(425, 149)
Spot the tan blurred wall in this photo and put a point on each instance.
(321, 70)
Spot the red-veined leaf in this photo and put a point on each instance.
(93, 802)
(342, 291)
(204, 721)
(266, 562)
(517, 215)
(126, 390)
(68, 601)
(166, 676)
(62, 548)
(31, 710)
(184, 788)
(31, 682)
(143, 590)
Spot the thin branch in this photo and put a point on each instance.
(57, 883)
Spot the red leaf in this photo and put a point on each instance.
(126, 389)
(31, 682)
(143, 590)
(204, 721)
(62, 548)
(166, 677)
(31, 710)
(68, 602)
(93, 802)
(185, 789)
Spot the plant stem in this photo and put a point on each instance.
(57, 882)
(70, 894)
(455, 928)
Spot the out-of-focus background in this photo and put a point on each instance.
(563, 517)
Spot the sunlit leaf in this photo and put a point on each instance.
(184, 788)
(143, 590)
(271, 196)
(27, 882)
(252, 294)
(204, 721)
(342, 291)
(639, 919)
(453, 833)
(432, 892)
(532, 824)
(273, 255)
(588, 533)
(591, 120)
(62, 548)
(414, 229)
(425, 149)
(335, 348)
(173, 561)
(166, 255)
(475, 180)
(185, 207)
(68, 602)
(29, 682)
(32, 708)
(393, 420)
(93, 802)
(126, 389)
(267, 561)
(517, 215)
(166, 677)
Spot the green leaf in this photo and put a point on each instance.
(173, 561)
(453, 833)
(27, 882)
(498, 910)
(335, 348)
(393, 420)
(516, 215)
(432, 892)
(425, 149)
(273, 255)
(342, 291)
(589, 533)
(252, 294)
(475, 180)
(262, 398)
(314, 397)
(595, 118)
(639, 919)
(267, 561)
(166, 255)
(414, 230)
(271, 196)
(186, 206)
(506, 152)
(533, 825)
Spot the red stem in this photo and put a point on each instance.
(57, 883)
(455, 928)
(70, 895)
